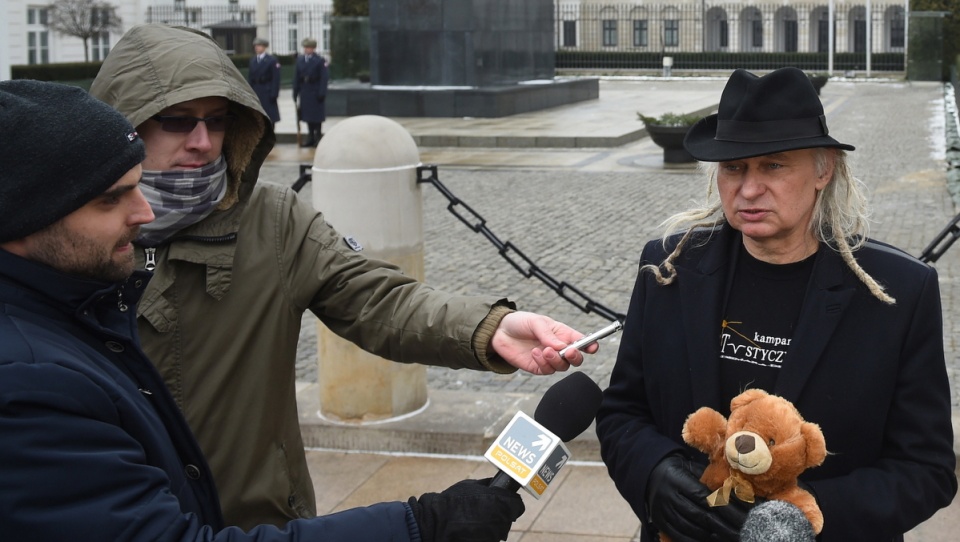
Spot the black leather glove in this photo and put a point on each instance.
(677, 504)
(468, 511)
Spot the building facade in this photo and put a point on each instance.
(30, 41)
(659, 26)
(782, 26)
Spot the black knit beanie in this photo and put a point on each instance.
(59, 149)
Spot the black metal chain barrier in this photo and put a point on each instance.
(951, 232)
(520, 261)
(306, 175)
(941, 242)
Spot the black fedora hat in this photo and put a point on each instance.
(777, 112)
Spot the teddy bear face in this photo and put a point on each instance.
(746, 452)
(768, 440)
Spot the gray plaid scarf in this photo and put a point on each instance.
(181, 198)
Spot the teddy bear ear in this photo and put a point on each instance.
(746, 398)
(816, 444)
(705, 430)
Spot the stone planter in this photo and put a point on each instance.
(670, 138)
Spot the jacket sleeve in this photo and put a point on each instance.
(69, 467)
(371, 302)
(275, 81)
(913, 474)
(324, 80)
(296, 78)
(631, 442)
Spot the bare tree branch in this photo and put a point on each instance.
(84, 19)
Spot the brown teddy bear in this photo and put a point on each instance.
(760, 451)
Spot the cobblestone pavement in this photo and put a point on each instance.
(586, 224)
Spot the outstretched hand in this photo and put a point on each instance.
(531, 342)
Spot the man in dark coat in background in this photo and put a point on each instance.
(310, 85)
(264, 77)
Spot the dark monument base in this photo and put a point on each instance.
(351, 99)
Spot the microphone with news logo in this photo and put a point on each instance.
(530, 451)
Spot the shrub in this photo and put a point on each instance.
(351, 8)
(670, 119)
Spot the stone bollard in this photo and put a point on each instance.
(365, 183)
(667, 66)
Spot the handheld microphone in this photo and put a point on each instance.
(776, 521)
(529, 451)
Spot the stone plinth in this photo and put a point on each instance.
(344, 100)
(473, 43)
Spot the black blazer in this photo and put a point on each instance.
(871, 375)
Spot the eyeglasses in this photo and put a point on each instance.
(183, 124)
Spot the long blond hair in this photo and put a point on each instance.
(840, 219)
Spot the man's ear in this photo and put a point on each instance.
(831, 162)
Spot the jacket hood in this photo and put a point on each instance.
(155, 66)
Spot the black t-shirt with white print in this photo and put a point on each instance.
(759, 318)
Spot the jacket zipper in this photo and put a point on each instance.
(150, 258)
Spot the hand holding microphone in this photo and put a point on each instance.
(532, 342)
(470, 510)
(484, 510)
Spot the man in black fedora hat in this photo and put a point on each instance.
(774, 284)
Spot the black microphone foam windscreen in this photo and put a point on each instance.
(568, 407)
(776, 521)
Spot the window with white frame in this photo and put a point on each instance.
(609, 32)
(99, 46)
(895, 27)
(756, 34)
(641, 36)
(38, 38)
(569, 33)
(293, 40)
(100, 42)
(100, 16)
(671, 32)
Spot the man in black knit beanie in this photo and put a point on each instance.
(61, 148)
